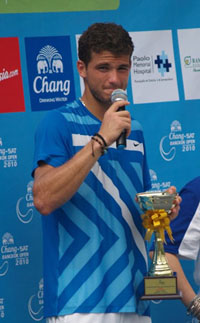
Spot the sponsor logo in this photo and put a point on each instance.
(156, 184)
(189, 47)
(176, 138)
(50, 72)
(11, 88)
(6, 240)
(35, 303)
(142, 64)
(49, 61)
(146, 65)
(153, 73)
(192, 62)
(162, 63)
(24, 207)
(187, 61)
(8, 156)
(10, 251)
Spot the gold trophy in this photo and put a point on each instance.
(161, 281)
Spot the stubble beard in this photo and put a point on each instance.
(100, 99)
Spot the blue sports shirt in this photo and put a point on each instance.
(94, 250)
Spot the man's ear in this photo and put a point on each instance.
(81, 68)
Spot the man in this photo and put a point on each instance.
(186, 233)
(94, 252)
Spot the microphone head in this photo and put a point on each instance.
(118, 95)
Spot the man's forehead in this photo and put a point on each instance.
(106, 56)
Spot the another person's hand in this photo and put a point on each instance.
(175, 210)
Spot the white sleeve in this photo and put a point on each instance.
(190, 245)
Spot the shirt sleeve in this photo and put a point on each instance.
(52, 140)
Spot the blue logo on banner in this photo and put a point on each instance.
(50, 72)
(163, 64)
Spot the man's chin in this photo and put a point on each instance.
(106, 100)
(103, 98)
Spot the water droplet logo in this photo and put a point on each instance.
(35, 304)
(26, 215)
(168, 156)
(4, 268)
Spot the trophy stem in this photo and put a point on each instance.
(159, 265)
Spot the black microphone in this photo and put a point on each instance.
(119, 95)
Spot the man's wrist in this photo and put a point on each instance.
(98, 142)
(194, 307)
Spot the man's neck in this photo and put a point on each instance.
(95, 107)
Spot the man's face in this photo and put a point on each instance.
(105, 73)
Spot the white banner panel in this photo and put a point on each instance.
(189, 47)
(153, 73)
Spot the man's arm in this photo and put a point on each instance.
(183, 284)
(189, 298)
(53, 186)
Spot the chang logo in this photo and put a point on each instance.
(176, 126)
(7, 239)
(35, 303)
(163, 63)
(49, 61)
(24, 207)
(50, 71)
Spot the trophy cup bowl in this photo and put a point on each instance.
(161, 281)
(156, 200)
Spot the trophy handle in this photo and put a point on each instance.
(159, 265)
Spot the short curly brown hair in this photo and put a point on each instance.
(104, 36)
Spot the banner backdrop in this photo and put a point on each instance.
(38, 42)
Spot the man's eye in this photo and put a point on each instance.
(123, 68)
(103, 68)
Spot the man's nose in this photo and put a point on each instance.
(113, 76)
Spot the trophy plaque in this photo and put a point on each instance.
(161, 281)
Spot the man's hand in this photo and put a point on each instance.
(177, 202)
(114, 122)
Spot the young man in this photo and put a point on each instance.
(94, 252)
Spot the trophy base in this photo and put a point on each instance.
(160, 287)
